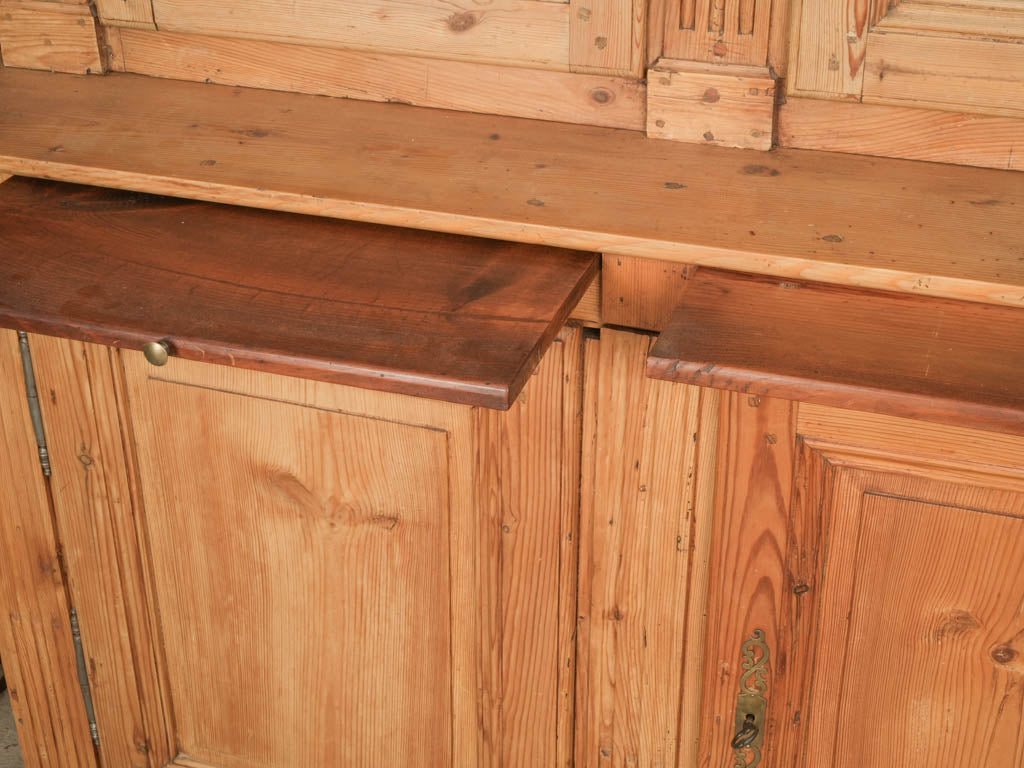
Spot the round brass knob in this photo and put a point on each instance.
(156, 352)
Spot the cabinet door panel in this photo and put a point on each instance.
(301, 560)
(905, 623)
(925, 665)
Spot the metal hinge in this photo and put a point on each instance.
(83, 678)
(36, 413)
(33, 401)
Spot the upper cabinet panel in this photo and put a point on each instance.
(522, 32)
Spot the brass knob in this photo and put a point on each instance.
(156, 352)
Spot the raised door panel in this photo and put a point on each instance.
(522, 32)
(904, 628)
(272, 571)
(866, 592)
(301, 562)
(917, 658)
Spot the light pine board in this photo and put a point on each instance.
(942, 230)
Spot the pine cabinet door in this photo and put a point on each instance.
(316, 575)
(872, 604)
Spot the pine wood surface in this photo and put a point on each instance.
(524, 32)
(747, 570)
(932, 671)
(927, 358)
(614, 102)
(990, 141)
(961, 74)
(423, 313)
(790, 213)
(95, 507)
(483, 501)
(60, 37)
(646, 505)
(725, 106)
(640, 293)
(35, 632)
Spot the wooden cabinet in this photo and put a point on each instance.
(865, 594)
(905, 626)
(881, 585)
(299, 536)
(269, 571)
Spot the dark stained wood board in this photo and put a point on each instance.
(898, 225)
(436, 315)
(915, 356)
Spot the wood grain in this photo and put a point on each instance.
(828, 44)
(711, 105)
(720, 31)
(428, 314)
(899, 131)
(926, 358)
(96, 507)
(35, 633)
(607, 36)
(747, 571)
(47, 35)
(509, 483)
(344, 567)
(528, 494)
(597, 189)
(647, 485)
(467, 86)
(945, 73)
(930, 672)
(640, 293)
(523, 32)
(126, 13)
(989, 21)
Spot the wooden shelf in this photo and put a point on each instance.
(914, 356)
(436, 315)
(890, 224)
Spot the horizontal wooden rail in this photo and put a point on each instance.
(435, 315)
(925, 358)
(888, 224)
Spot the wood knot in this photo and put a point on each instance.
(460, 22)
(833, 238)
(759, 170)
(602, 96)
(600, 43)
(720, 48)
(955, 623)
(1003, 654)
(711, 95)
(709, 136)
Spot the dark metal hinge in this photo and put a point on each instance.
(83, 677)
(33, 401)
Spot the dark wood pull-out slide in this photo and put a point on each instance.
(443, 316)
(900, 354)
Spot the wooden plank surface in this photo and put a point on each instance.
(931, 359)
(897, 225)
(46, 35)
(990, 141)
(614, 102)
(35, 631)
(508, 31)
(945, 73)
(747, 566)
(640, 293)
(730, 107)
(435, 315)
(646, 505)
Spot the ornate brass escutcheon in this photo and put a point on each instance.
(751, 705)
